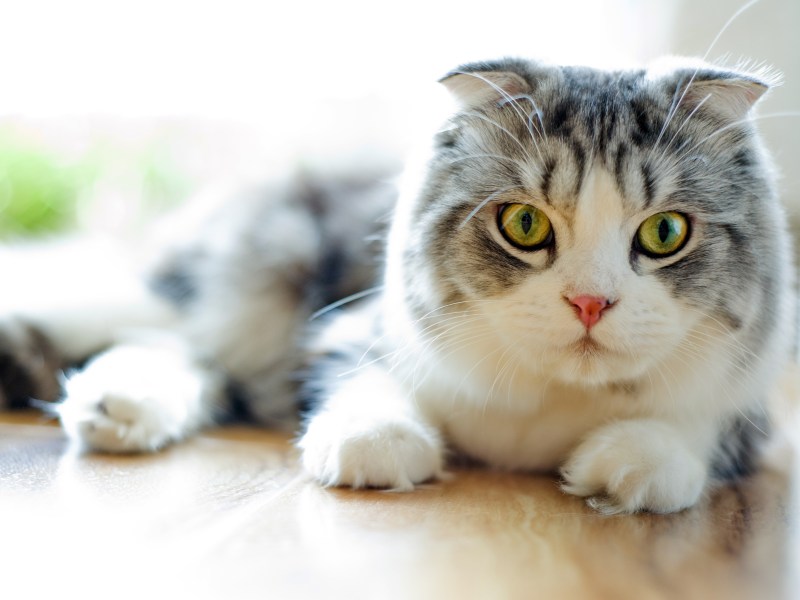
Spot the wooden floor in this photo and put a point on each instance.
(229, 515)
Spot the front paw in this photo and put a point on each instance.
(393, 453)
(132, 399)
(117, 422)
(632, 466)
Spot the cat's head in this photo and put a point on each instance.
(593, 221)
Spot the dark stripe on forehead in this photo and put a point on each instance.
(646, 130)
(648, 184)
(619, 168)
(580, 159)
(546, 179)
(606, 126)
(558, 119)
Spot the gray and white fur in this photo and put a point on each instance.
(475, 344)
(480, 346)
(206, 325)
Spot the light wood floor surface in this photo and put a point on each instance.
(229, 515)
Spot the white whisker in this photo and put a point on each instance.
(506, 131)
(675, 105)
(737, 124)
(514, 101)
(678, 130)
(484, 202)
(347, 300)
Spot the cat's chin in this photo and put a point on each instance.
(590, 362)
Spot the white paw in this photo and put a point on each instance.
(631, 466)
(393, 453)
(133, 399)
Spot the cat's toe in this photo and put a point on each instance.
(629, 467)
(117, 423)
(130, 400)
(606, 505)
(391, 454)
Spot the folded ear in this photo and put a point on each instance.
(478, 84)
(729, 94)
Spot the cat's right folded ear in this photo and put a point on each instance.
(479, 84)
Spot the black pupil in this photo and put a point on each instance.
(663, 230)
(526, 222)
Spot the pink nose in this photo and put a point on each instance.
(589, 308)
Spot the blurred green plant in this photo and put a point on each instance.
(43, 192)
(37, 194)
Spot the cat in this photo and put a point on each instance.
(592, 276)
(590, 273)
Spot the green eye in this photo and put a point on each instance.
(524, 226)
(663, 234)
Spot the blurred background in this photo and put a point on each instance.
(113, 111)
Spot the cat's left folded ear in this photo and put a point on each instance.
(729, 93)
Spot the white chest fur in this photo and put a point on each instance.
(533, 433)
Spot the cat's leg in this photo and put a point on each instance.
(642, 464)
(368, 433)
(62, 302)
(139, 398)
(29, 365)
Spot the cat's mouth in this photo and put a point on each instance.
(589, 361)
(587, 347)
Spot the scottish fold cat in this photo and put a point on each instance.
(592, 276)
(589, 273)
